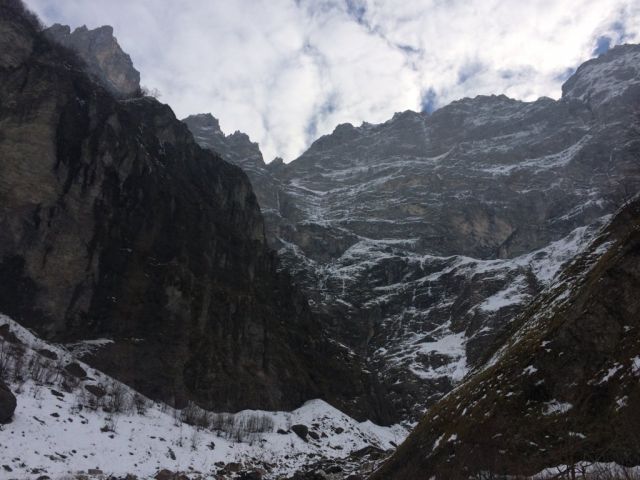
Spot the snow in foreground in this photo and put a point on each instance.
(57, 432)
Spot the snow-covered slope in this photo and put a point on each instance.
(66, 423)
(433, 317)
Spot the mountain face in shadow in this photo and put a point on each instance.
(115, 224)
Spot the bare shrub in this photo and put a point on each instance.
(140, 403)
(69, 382)
(190, 414)
(222, 422)
(258, 423)
(195, 440)
(118, 399)
(40, 370)
(82, 400)
(110, 424)
(5, 360)
(150, 92)
(592, 471)
(19, 365)
(245, 428)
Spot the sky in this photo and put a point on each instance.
(289, 71)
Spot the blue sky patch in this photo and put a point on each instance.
(603, 44)
(428, 101)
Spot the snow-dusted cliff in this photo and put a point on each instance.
(419, 239)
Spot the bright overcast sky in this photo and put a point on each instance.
(288, 71)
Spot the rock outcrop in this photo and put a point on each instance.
(115, 224)
(563, 385)
(104, 58)
(237, 148)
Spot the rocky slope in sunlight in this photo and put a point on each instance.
(420, 238)
(114, 224)
(563, 387)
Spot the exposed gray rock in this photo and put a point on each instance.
(420, 238)
(103, 56)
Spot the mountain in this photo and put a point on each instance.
(562, 388)
(472, 266)
(238, 149)
(104, 58)
(419, 239)
(117, 229)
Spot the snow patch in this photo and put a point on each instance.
(554, 407)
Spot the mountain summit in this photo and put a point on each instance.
(105, 60)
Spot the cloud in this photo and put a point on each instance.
(287, 71)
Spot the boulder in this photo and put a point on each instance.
(7, 403)
(301, 430)
(75, 370)
(96, 390)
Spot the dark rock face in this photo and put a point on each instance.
(95, 390)
(237, 148)
(419, 239)
(301, 430)
(75, 370)
(104, 58)
(7, 403)
(563, 385)
(115, 224)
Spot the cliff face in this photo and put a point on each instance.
(237, 148)
(114, 224)
(103, 56)
(420, 238)
(562, 387)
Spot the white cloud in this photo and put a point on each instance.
(287, 71)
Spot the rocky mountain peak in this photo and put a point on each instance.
(205, 121)
(606, 79)
(343, 133)
(277, 162)
(236, 148)
(104, 58)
